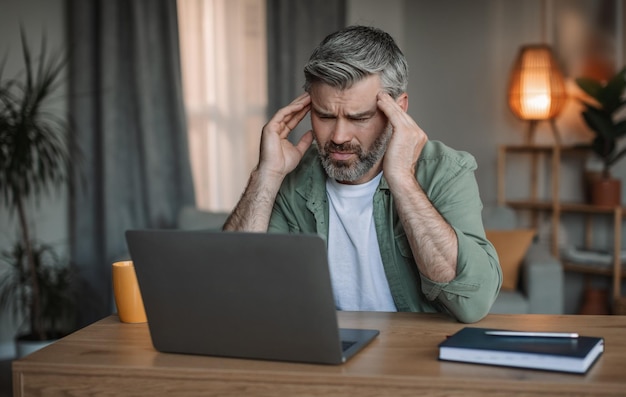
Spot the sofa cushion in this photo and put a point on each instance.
(510, 302)
(192, 218)
(511, 246)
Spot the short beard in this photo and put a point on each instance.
(350, 171)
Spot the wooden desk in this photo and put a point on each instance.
(109, 358)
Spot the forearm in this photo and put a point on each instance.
(253, 211)
(278, 158)
(471, 294)
(433, 241)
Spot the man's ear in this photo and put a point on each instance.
(403, 101)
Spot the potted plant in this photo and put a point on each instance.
(34, 158)
(603, 103)
(56, 285)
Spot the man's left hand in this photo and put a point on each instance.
(407, 140)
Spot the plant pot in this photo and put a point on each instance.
(588, 178)
(606, 192)
(595, 302)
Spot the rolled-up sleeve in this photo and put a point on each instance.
(474, 289)
(470, 295)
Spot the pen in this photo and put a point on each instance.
(569, 335)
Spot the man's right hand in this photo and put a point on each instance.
(278, 158)
(278, 155)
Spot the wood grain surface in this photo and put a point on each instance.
(110, 358)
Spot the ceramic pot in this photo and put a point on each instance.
(595, 302)
(588, 178)
(606, 192)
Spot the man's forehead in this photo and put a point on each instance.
(357, 98)
(349, 104)
(346, 107)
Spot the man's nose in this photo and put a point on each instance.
(342, 131)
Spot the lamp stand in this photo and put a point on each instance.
(555, 131)
(532, 127)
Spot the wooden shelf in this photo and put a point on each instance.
(545, 149)
(546, 205)
(590, 269)
(555, 207)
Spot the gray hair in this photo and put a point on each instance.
(348, 56)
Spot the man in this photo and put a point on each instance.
(401, 215)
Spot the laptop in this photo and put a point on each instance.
(246, 295)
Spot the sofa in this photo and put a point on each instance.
(192, 218)
(540, 286)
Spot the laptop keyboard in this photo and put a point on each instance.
(346, 344)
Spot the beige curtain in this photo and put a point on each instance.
(223, 54)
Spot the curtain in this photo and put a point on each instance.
(225, 49)
(224, 58)
(295, 28)
(132, 165)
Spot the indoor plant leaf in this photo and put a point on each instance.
(590, 86)
(601, 107)
(34, 159)
(599, 121)
(610, 96)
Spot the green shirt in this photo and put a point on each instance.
(447, 177)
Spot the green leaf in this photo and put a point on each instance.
(34, 158)
(619, 129)
(603, 148)
(590, 86)
(616, 157)
(34, 141)
(599, 121)
(610, 96)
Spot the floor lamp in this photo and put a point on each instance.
(537, 93)
(537, 88)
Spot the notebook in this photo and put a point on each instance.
(245, 295)
(575, 354)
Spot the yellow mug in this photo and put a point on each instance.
(127, 295)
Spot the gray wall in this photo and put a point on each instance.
(460, 54)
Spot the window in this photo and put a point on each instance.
(224, 70)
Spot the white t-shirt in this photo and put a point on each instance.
(356, 268)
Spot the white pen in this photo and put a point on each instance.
(569, 335)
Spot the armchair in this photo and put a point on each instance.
(192, 218)
(540, 286)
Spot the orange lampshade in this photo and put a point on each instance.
(537, 88)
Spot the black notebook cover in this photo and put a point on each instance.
(473, 345)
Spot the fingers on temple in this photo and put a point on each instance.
(296, 118)
(396, 115)
(291, 115)
(386, 103)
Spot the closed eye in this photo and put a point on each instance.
(360, 118)
(325, 116)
